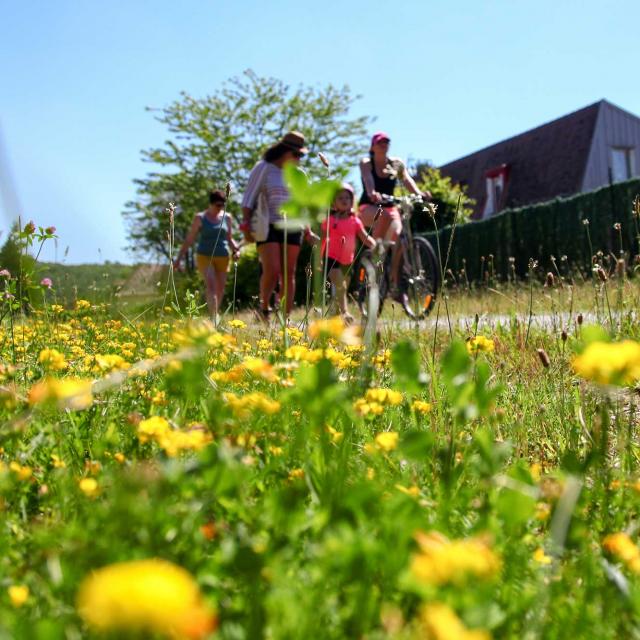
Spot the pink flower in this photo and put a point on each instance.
(5, 273)
(50, 230)
(46, 282)
(30, 227)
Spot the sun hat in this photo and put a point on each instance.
(294, 140)
(379, 136)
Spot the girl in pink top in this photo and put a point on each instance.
(339, 244)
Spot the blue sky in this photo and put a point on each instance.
(443, 78)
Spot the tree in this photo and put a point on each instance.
(218, 139)
(446, 194)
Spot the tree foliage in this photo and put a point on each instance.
(446, 195)
(218, 138)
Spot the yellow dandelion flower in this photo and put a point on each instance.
(480, 344)
(57, 462)
(419, 406)
(237, 324)
(52, 360)
(611, 363)
(259, 367)
(439, 622)
(83, 305)
(541, 557)
(89, 486)
(443, 561)
(296, 474)
(152, 428)
(364, 408)
(68, 393)
(18, 594)
(622, 547)
(412, 491)
(244, 406)
(387, 440)
(23, 473)
(384, 396)
(145, 596)
(336, 436)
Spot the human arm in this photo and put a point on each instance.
(409, 182)
(192, 234)
(250, 198)
(366, 172)
(365, 238)
(235, 247)
(311, 237)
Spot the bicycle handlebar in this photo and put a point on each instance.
(393, 200)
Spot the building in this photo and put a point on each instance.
(579, 152)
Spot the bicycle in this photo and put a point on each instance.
(418, 271)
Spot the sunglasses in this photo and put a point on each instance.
(297, 154)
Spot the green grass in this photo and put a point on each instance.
(299, 521)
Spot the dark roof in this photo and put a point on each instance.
(544, 163)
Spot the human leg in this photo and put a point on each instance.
(221, 268)
(290, 254)
(269, 253)
(367, 214)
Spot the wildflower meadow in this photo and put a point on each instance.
(469, 477)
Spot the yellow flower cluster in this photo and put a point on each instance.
(387, 441)
(172, 441)
(480, 344)
(68, 393)
(250, 367)
(443, 561)
(622, 547)
(21, 472)
(419, 406)
(439, 622)
(375, 400)
(52, 360)
(145, 596)
(609, 362)
(106, 363)
(83, 305)
(244, 406)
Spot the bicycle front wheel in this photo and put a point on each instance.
(421, 278)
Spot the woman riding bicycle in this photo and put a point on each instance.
(380, 174)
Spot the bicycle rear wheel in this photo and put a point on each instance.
(420, 278)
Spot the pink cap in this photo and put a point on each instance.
(377, 137)
(345, 186)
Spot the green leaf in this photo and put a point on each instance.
(405, 360)
(594, 333)
(515, 507)
(417, 445)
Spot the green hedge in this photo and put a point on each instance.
(505, 243)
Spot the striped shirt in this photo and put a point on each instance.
(266, 178)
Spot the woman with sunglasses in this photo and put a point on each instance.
(278, 248)
(380, 174)
(212, 229)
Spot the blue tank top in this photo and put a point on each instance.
(213, 237)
